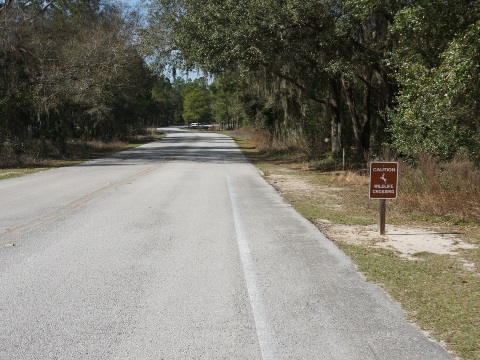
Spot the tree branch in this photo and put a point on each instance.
(6, 4)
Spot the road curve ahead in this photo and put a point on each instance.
(180, 250)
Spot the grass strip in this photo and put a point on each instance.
(436, 291)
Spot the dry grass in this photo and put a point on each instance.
(450, 191)
(264, 146)
(46, 154)
(429, 190)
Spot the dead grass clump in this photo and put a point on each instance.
(260, 137)
(350, 178)
(41, 153)
(291, 148)
(77, 147)
(447, 190)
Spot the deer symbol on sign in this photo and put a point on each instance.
(383, 178)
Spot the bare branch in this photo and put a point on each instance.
(6, 4)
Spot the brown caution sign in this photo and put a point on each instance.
(383, 180)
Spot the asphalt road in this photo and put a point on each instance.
(180, 250)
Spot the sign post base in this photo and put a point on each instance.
(383, 211)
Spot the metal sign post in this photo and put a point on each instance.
(383, 186)
(383, 214)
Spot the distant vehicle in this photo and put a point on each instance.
(198, 126)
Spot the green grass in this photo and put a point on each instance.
(309, 208)
(436, 291)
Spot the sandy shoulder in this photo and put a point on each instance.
(405, 241)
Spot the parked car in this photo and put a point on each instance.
(197, 126)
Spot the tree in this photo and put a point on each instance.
(196, 104)
(345, 70)
(437, 110)
(295, 52)
(167, 102)
(69, 69)
(227, 92)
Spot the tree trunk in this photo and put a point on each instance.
(357, 128)
(334, 108)
(367, 113)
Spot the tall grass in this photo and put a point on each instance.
(428, 189)
(269, 146)
(447, 190)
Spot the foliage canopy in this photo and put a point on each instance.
(366, 74)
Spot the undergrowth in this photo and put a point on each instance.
(45, 153)
(429, 190)
(438, 189)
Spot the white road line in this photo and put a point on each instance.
(265, 332)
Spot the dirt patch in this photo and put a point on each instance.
(289, 183)
(406, 241)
